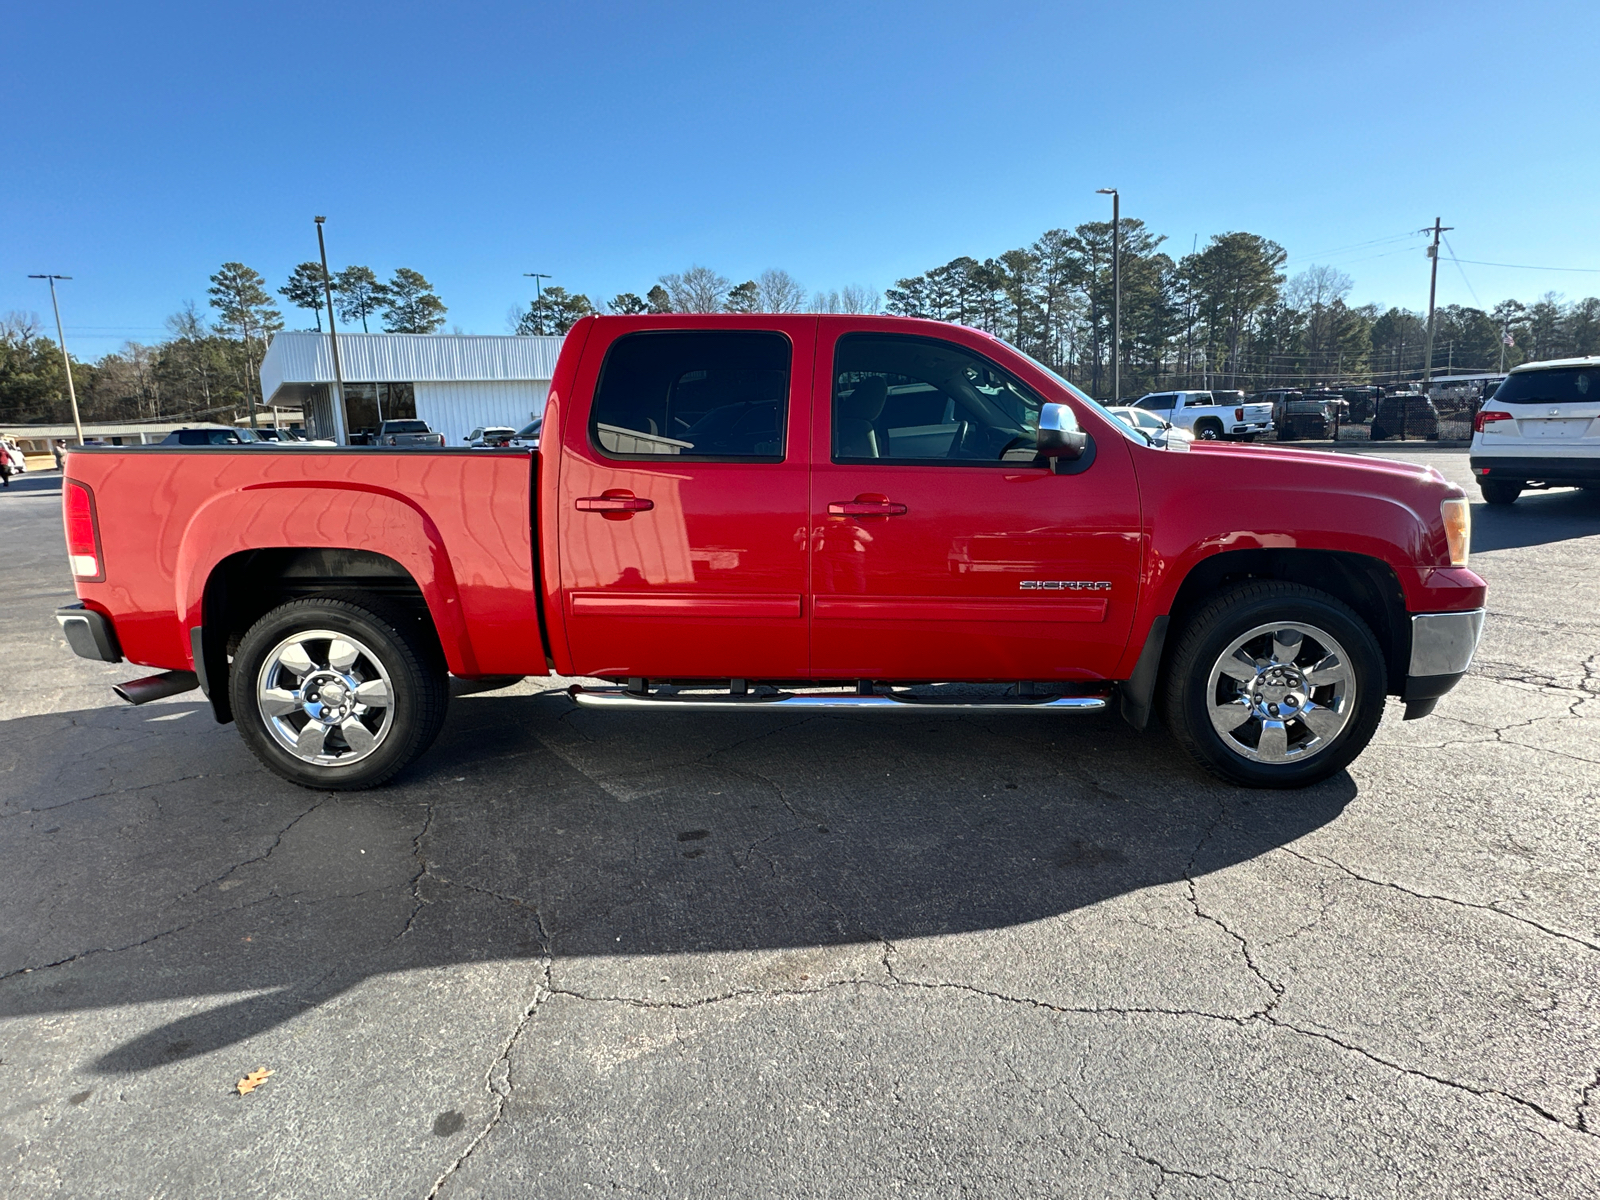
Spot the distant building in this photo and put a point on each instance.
(454, 383)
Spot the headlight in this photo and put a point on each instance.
(1457, 516)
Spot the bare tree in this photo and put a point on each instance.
(857, 298)
(697, 290)
(826, 302)
(779, 292)
(1317, 286)
(19, 328)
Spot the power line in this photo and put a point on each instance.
(1526, 267)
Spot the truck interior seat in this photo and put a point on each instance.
(855, 434)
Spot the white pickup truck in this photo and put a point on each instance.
(1209, 421)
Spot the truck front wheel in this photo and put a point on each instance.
(337, 694)
(1274, 685)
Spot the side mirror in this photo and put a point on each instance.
(1059, 434)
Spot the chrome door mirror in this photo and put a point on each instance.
(1059, 434)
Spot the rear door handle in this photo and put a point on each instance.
(616, 501)
(866, 506)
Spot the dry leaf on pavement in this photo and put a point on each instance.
(252, 1081)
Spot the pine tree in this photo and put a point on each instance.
(410, 305)
(239, 295)
(359, 294)
(305, 290)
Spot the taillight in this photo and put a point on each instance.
(1488, 417)
(1238, 414)
(83, 532)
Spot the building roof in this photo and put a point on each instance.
(406, 358)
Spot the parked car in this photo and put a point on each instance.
(1314, 415)
(407, 433)
(209, 437)
(1209, 421)
(1405, 415)
(527, 438)
(490, 435)
(1161, 432)
(1540, 429)
(967, 516)
(1275, 400)
(1361, 403)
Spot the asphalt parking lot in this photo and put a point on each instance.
(576, 953)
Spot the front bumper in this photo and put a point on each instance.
(89, 633)
(1554, 469)
(1442, 646)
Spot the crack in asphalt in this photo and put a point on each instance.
(498, 1079)
(1241, 1021)
(1582, 1106)
(1325, 861)
(123, 791)
(1129, 1147)
(422, 869)
(276, 842)
(1577, 1126)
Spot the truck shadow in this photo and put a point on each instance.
(533, 830)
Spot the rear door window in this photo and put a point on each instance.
(704, 395)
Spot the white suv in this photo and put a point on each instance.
(1540, 429)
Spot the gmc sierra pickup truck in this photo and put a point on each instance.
(800, 513)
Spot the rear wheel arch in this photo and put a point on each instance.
(244, 587)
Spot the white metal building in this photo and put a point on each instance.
(453, 382)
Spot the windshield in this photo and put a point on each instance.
(531, 429)
(1566, 385)
(1123, 427)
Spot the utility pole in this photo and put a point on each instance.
(341, 434)
(1433, 288)
(66, 360)
(1116, 291)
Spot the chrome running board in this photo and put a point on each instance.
(614, 698)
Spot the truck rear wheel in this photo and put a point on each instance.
(337, 694)
(1208, 431)
(1274, 685)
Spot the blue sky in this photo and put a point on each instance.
(608, 143)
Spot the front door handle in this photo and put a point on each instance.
(615, 504)
(868, 505)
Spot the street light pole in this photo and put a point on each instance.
(1116, 292)
(341, 434)
(538, 288)
(66, 359)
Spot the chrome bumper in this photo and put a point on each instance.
(1442, 646)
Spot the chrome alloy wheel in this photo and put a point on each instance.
(325, 697)
(1281, 693)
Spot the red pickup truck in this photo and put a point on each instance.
(783, 512)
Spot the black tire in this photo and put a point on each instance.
(1379, 433)
(1499, 491)
(1208, 431)
(417, 688)
(1288, 433)
(1230, 615)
